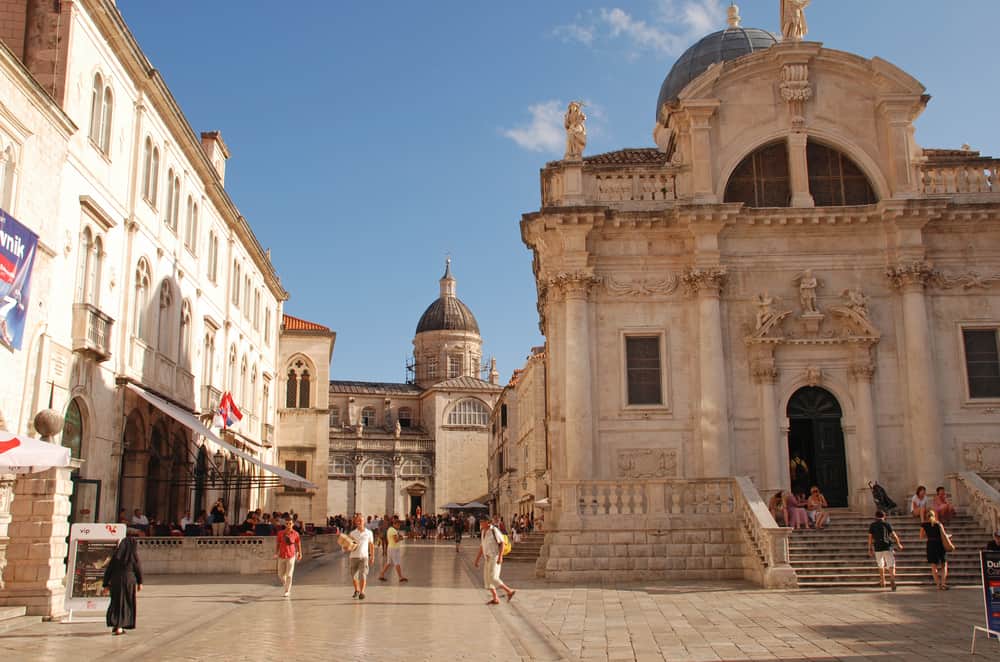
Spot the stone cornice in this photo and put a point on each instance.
(35, 93)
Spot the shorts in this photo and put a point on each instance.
(395, 556)
(885, 559)
(491, 572)
(359, 568)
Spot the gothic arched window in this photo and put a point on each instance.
(297, 389)
(141, 301)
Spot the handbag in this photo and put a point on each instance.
(949, 546)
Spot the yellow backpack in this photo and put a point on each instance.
(507, 546)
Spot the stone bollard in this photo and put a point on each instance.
(39, 526)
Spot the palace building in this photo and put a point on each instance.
(787, 290)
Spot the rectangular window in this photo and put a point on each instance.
(297, 467)
(454, 366)
(334, 417)
(236, 284)
(982, 362)
(432, 368)
(246, 298)
(642, 364)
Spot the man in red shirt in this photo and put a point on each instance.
(289, 550)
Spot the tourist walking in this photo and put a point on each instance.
(880, 539)
(288, 550)
(459, 529)
(395, 551)
(361, 556)
(491, 553)
(123, 580)
(938, 545)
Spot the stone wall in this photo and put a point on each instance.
(238, 555)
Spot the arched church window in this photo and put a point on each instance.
(761, 179)
(377, 467)
(341, 465)
(405, 417)
(469, 412)
(368, 417)
(834, 179)
(416, 466)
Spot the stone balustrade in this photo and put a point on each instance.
(974, 175)
(91, 331)
(243, 555)
(631, 185)
(979, 498)
(768, 541)
(596, 499)
(393, 445)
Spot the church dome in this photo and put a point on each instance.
(448, 313)
(721, 46)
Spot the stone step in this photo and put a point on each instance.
(18, 622)
(12, 612)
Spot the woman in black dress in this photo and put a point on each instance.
(123, 578)
(937, 540)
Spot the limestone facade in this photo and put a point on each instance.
(788, 275)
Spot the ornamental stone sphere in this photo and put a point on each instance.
(48, 423)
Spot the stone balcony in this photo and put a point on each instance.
(210, 399)
(160, 372)
(91, 331)
(625, 185)
(959, 172)
(267, 433)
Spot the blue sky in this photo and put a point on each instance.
(369, 139)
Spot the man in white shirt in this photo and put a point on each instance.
(139, 520)
(491, 550)
(361, 556)
(185, 520)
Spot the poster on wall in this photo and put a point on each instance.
(17, 257)
(991, 590)
(91, 547)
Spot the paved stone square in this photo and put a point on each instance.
(440, 614)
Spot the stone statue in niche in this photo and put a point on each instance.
(793, 19)
(807, 291)
(576, 131)
(397, 429)
(767, 317)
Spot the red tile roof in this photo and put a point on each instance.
(295, 324)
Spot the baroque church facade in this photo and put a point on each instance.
(392, 448)
(787, 290)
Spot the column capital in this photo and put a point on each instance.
(863, 371)
(708, 281)
(911, 275)
(570, 285)
(764, 371)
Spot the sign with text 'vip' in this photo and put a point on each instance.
(990, 562)
(17, 257)
(91, 547)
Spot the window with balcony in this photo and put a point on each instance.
(184, 344)
(982, 362)
(101, 111)
(469, 412)
(167, 320)
(368, 417)
(88, 285)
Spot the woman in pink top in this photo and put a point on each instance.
(942, 507)
(796, 508)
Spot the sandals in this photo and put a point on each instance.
(510, 596)
(494, 601)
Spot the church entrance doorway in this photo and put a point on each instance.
(416, 503)
(816, 444)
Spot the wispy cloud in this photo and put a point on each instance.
(673, 25)
(544, 132)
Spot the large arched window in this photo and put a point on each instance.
(761, 179)
(377, 467)
(297, 389)
(341, 465)
(72, 433)
(416, 466)
(101, 109)
(834, 179)
(141, 301)
(469, 412)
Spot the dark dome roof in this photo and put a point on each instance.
(720, 46)
(448, 314)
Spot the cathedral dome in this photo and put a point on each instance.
(448, 313)
(720, 46)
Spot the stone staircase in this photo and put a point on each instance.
(13, 618)
(837, 556)
(528, 550)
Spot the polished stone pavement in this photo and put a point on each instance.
(440, 615)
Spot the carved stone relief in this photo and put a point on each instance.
(647, 463)
(968, 281)
(642, 287)
(983, 457)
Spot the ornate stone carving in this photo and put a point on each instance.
(576, 131)
(565, 284)
(863, 372)
(983, 457)
(807, 284)
(793, 19)
(767, 317)
(647, 463)
(708, 280)
(795, 91)
(972, 280)
(910, 274)
(642, 287)
(814, 376)
(855, 313)
(764, 371)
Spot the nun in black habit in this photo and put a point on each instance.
(123, 578)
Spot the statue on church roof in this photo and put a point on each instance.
(793, 19)
(576, 131)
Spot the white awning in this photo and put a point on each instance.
(190, 421)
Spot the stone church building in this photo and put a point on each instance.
(389, 447)
(787, 290)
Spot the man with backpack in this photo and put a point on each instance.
(491, 550)
(880, 539)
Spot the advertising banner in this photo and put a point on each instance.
(17, 257)
(91, 547)
(990, 562)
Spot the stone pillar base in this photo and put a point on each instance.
(783, 577)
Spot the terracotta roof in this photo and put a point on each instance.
(465, 382)
(373, 388)
(629, 156)
(295, 324)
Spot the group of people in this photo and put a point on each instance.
(211, 523)
(798, 511)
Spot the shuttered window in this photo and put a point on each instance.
(642, 363)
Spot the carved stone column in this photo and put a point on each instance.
(922, 397)
(775, 473)
(358, 461)
(700, 112)
(397, 464)
(862, 373)
(798, 171)
(713, 421)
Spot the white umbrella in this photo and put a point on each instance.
(21, 454)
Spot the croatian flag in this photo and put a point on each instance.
(228, 414)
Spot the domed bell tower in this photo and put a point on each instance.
(447, 343)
